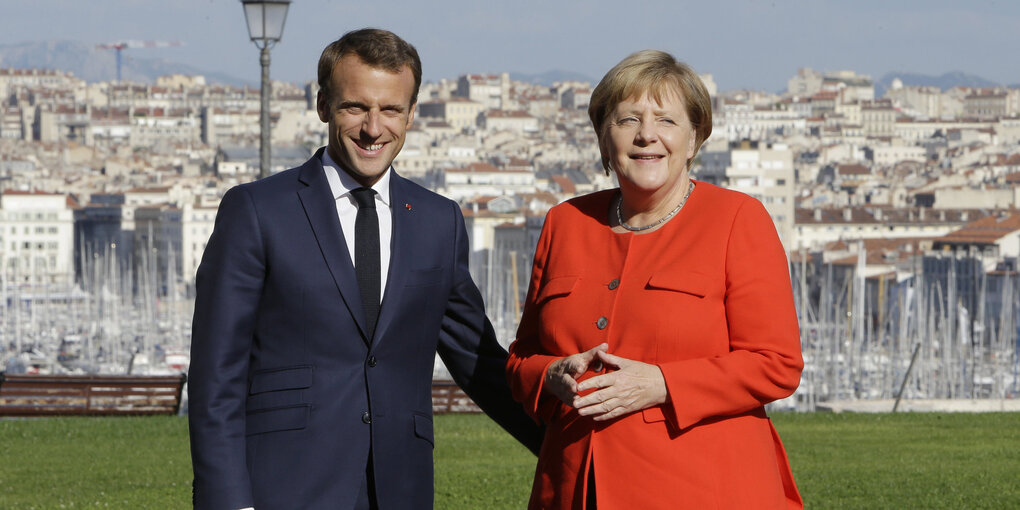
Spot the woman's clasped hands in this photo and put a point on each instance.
(626, 386)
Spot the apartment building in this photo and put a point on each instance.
(742, 121)
(12, 80)
(987, 103)
(916, 101)
(992, 239)
(576, 98)
(36, 236)
(878, 118)
(491, 90)
(197, 221)
(518, 121)
(459, 112)
(816, 227)
(765, 172)
(484, 179)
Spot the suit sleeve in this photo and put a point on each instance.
(468, 346)
(228, 287)
(764, 362)
(528, 362)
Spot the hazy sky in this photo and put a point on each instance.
(742, 43)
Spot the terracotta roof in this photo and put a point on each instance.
(879, 252)
(452, 99)
(565, 184)
(853, 169)
(518, 162)
(1012, 159)
(850, 260)
(540, 195)
(26, 193)
(509, 114)
(986, 230)
(480, 167)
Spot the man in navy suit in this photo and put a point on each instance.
(308, 389)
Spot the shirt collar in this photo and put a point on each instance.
(341, 184)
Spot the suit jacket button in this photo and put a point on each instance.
(602, 323)
(366, 418)
(372, 361)
(614, 284)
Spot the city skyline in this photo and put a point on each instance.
(898, 213)
(743, 44)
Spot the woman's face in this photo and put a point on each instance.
(648, 143)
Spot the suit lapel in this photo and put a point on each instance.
(400, 249)
(320, 208)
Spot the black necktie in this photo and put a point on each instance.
(366, 255)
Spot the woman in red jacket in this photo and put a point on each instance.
(659, 320)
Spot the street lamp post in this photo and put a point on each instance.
(265, 28)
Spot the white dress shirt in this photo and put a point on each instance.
(341, 185)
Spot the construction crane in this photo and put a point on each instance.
(121, 45)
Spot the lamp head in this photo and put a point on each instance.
(265, 20)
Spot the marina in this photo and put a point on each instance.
(940, 327)
(937, 330)
(115, 320)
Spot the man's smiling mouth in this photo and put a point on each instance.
(369, 147)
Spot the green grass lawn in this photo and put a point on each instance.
(902, 461)
(906, 460)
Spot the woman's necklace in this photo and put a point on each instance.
(664, 219)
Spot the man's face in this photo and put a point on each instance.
(368, 111)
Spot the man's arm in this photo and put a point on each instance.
(229, 285)
(468, 346)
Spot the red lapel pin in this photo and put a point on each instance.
(408, 206)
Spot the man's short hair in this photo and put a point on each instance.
(657, 74)
(376, 47)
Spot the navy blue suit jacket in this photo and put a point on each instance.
(282, 373)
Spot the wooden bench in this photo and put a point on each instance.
(96, 395)
(447, 397)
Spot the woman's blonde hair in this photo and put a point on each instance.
(658, 74)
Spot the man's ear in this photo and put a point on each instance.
(322, 106)
(410, 114)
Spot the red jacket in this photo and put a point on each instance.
(707, 298)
